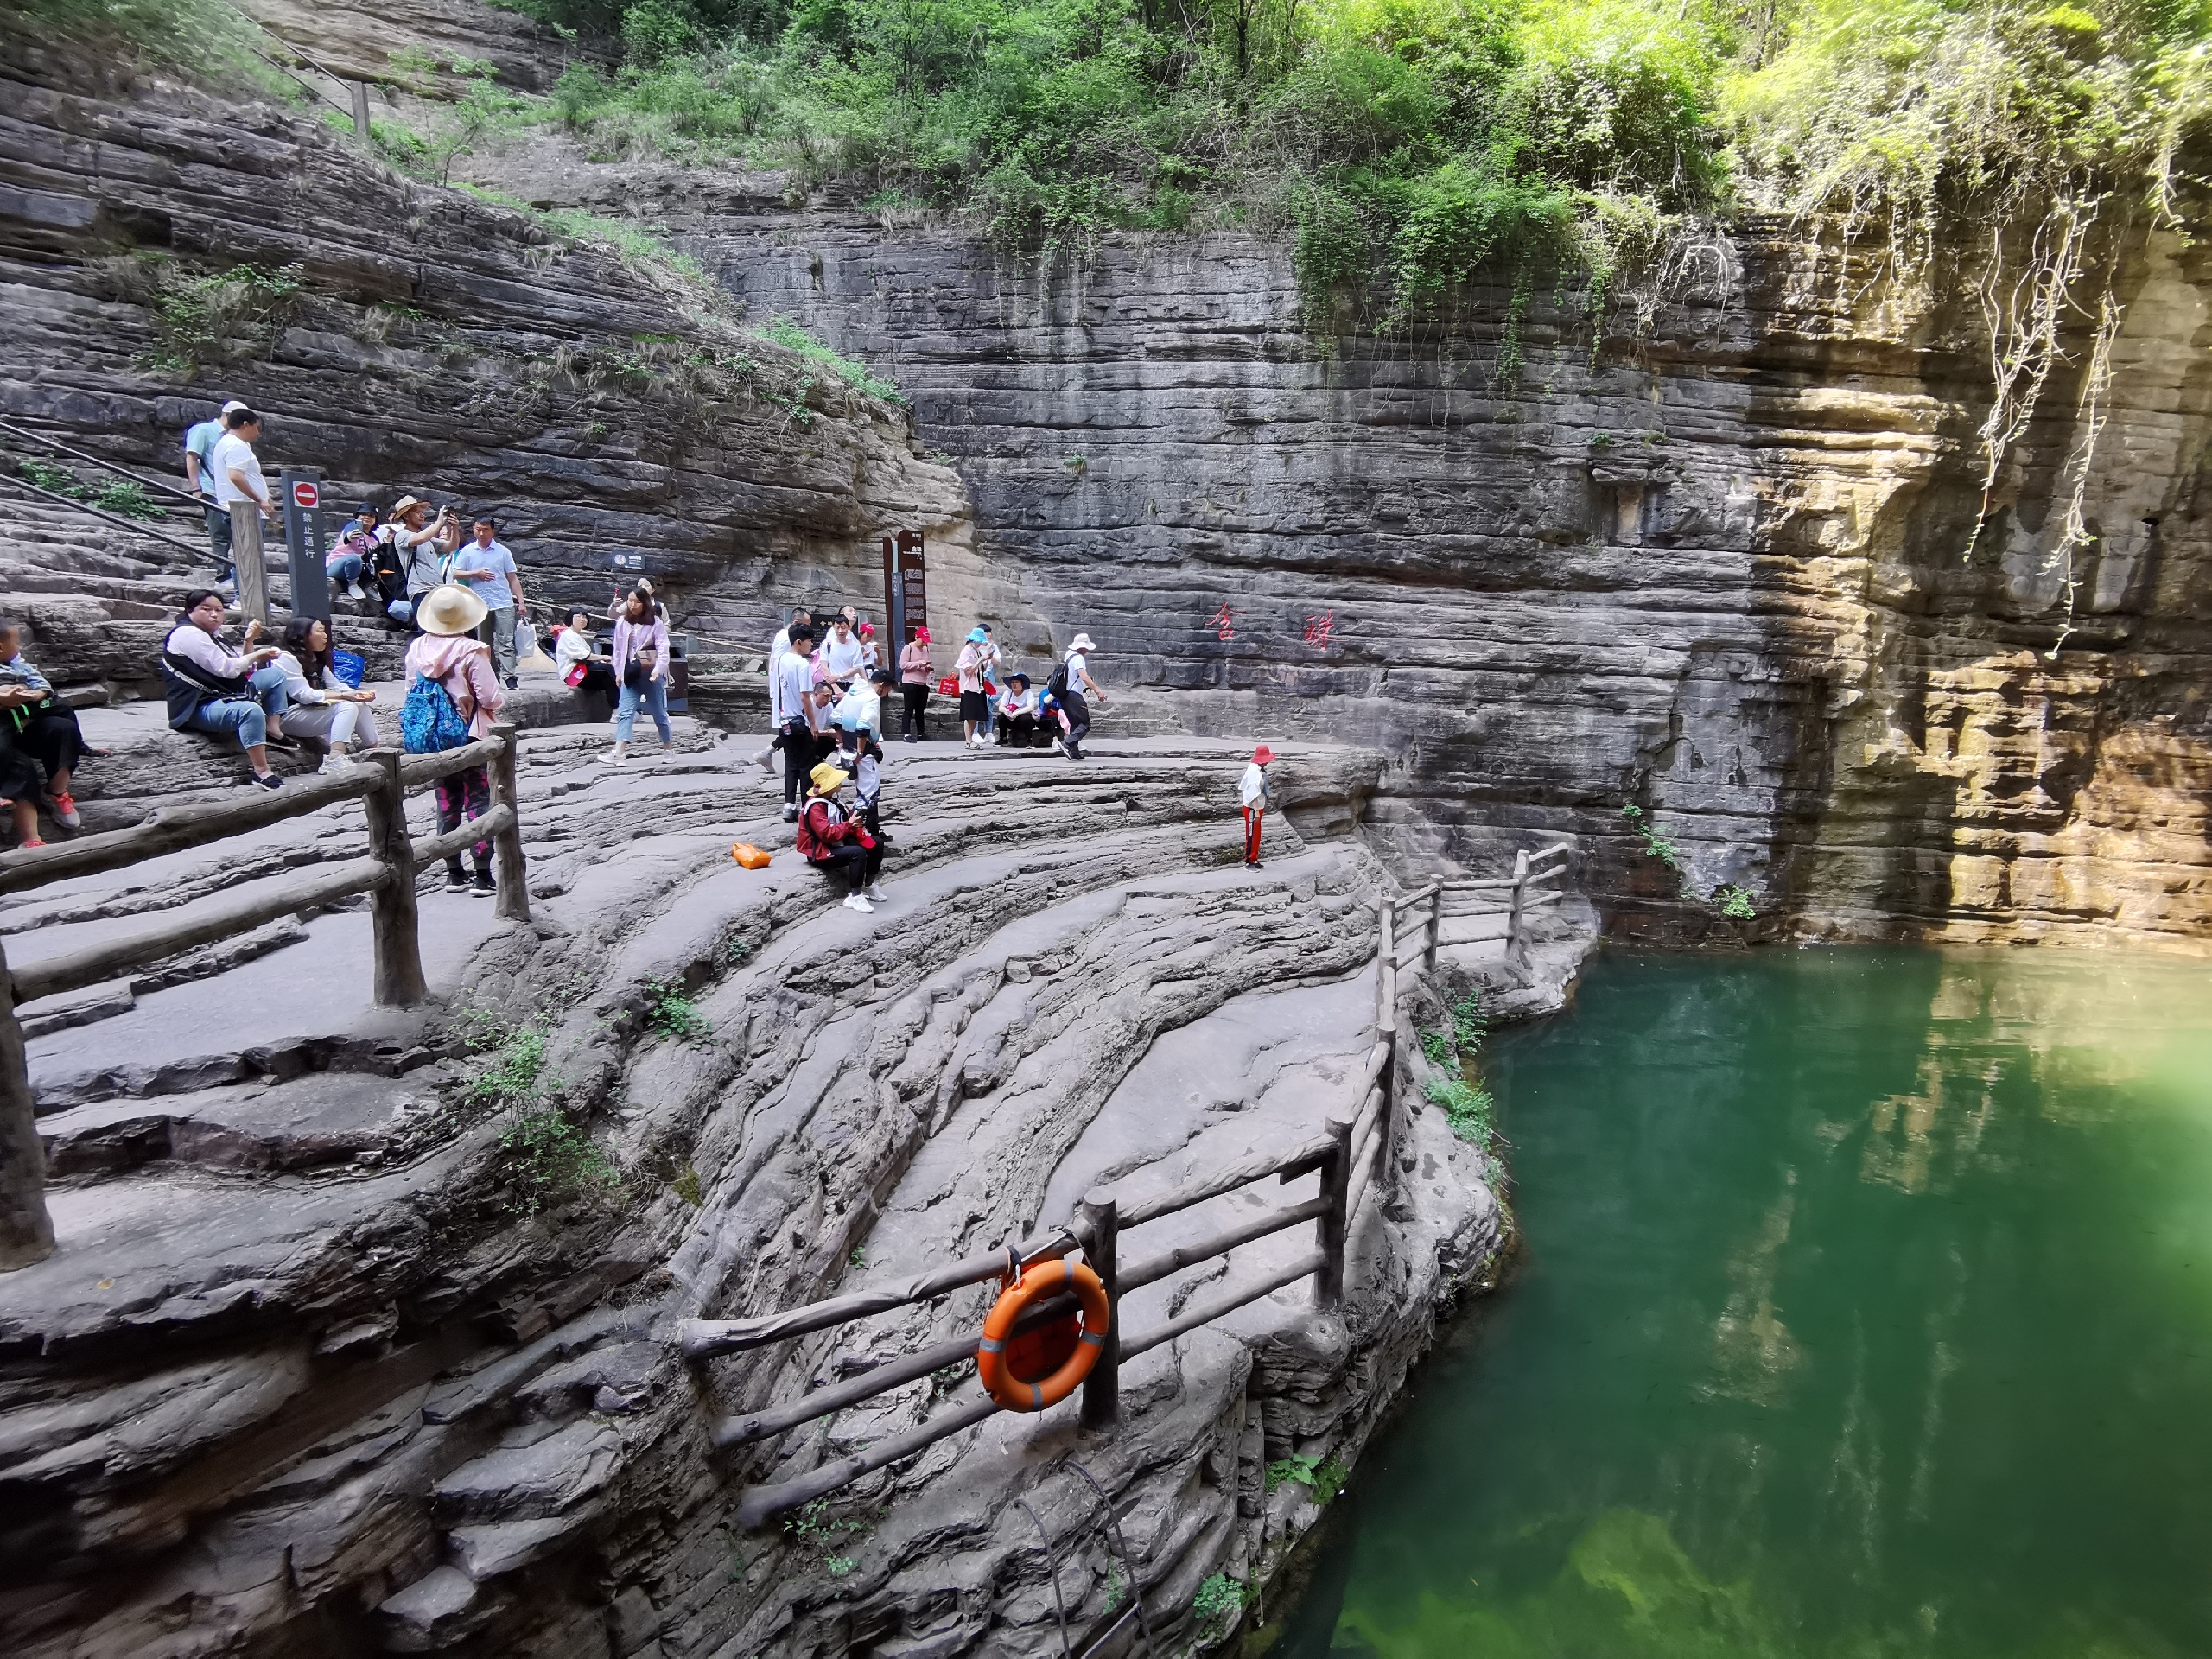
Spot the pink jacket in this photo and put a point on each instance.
(463, 666)
(630, 637)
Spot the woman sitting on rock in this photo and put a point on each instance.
(227, 693)
(834, 841)
(448, 652)
(39, 724)
(575, 653)
(319, 704)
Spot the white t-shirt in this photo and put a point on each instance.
(794, 684)
(233, 451)
(1078, 665)
(843, 658)
(1253, 791)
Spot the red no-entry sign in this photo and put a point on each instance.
(306, 495)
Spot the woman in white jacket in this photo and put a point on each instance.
(319, 703)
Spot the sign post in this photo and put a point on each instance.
(303, 492)
(906, 586)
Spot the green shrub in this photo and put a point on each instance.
(510, 1077)
(127, 498)
(1656, 843)
(789, 335)
(547, 1159)
(206, 318)
(1437, 1045)
(1470, 1024)
(669, 1012)
(1734, 902)
(1324, 1478)
(1467, 1109)
(1220, 1598)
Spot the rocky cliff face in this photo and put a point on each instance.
(434, 343)
(1716, 565)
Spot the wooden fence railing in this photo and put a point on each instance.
(387, 875)
(1467, 913)
(1347, 1154)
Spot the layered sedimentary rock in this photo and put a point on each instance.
(434, 344)
(1711, 560)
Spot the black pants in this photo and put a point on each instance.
(1017, 729)
(795, 740)
(856, 863)
(1078, 714)
(918, 700)
(599, 680)
(51, 737)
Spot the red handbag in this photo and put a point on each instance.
(948, 686)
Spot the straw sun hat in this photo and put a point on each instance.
(450, 610)
(826, 778)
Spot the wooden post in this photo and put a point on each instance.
(1098, 1223)
(1435, 927)
(360, 91)
(1389, 1131)
(1385, 960)
(26, 1230)
(513, 902)
(1334, 1223)
(391, 906)
(246, 558)
(1516, 952)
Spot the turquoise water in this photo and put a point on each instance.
(1865, 1310)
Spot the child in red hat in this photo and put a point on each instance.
(1256, 798)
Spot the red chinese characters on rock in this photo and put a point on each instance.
(1320, 631)
(1222, 623)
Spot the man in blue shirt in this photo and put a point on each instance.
(487, 569)
(199, 441)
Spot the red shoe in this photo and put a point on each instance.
(28, 843)
(65, 810)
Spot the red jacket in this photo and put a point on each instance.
(823, 826)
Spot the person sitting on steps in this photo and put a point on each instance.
(835, 842)
(40, 725)
(575, 653)
(351, 555)
(215, 690)
(1017, 720)
(317, 703)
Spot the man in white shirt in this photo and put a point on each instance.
(199, 441)
(841, 654)
(782, 642)
(237, 469)
(795, 700)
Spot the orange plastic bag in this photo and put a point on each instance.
(749, 855)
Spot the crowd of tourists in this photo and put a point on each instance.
(462, 597)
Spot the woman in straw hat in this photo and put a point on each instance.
(834, 840)
(446, 651)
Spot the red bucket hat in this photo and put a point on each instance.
(1262, 755)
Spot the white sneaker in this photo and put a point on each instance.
(331, 763)
(1056, 745)
(618, 754)
(854, 901)
(353, 590)
(874, 892)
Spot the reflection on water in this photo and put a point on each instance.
(1866, 1311)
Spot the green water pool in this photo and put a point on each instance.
(1865, 1309)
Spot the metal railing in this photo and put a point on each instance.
(387, 875)
(1346, 1154)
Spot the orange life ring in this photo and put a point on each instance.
(1041, 1368)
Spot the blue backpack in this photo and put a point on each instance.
(429, 720)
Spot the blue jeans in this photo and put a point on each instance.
(401, 611)
(248, 717)
(342, 568)
(654, 695)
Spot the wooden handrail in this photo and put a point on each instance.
(1207, 1312)
(1288, 1163)
(76, 968)
(704, 1339)
(757, 1503)
(454, 842)
(1154, 1269)
(174, 828)
(416, 770)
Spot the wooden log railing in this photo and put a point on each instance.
(387, 873)
(1346, 1154)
